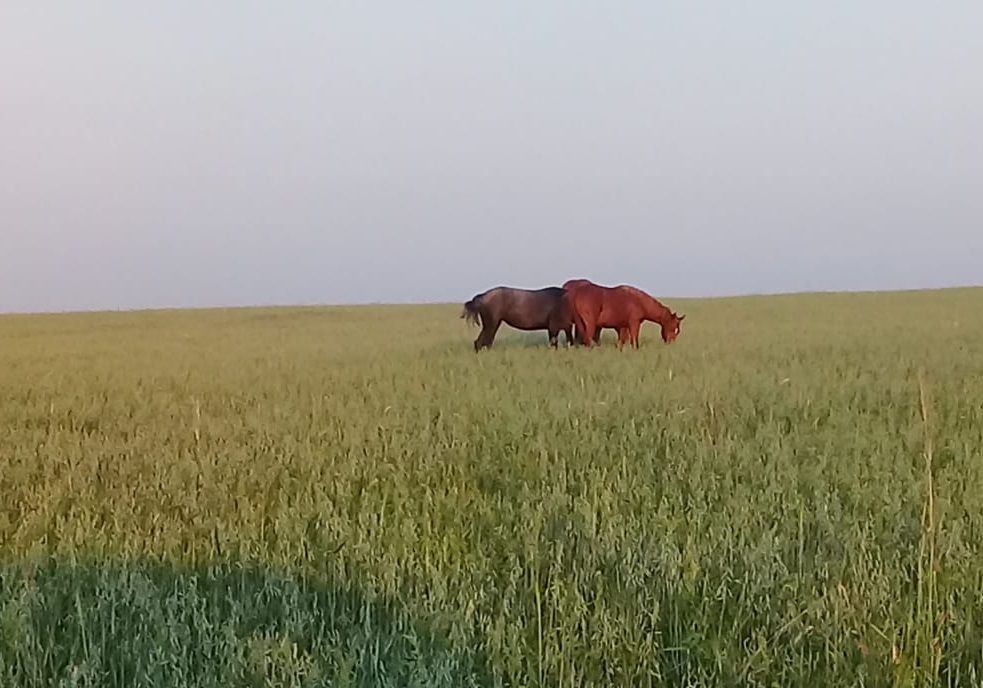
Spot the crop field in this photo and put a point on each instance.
(789, 495)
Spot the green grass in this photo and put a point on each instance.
(790, 495)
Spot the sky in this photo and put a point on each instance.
(183, 153)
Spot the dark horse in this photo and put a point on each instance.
(624, 308)
(523, 309)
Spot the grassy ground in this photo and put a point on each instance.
(792, 494)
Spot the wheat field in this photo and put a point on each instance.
(789, 495)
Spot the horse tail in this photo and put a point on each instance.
(470, 312)
(568, 305)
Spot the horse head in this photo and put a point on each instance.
(670, 327)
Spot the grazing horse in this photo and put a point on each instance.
(624, 308)
(523, 309)
(578, 335)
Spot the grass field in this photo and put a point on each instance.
(790, 495)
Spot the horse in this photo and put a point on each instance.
(578, 336)
(524, 309)
(624, 308)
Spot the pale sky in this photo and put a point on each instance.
(228, 153)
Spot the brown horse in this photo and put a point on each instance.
(624, 308)
(578, 336)
(523, 309)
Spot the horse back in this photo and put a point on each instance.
(528, 309)
(610, 306)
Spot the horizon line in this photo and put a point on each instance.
(363, 304)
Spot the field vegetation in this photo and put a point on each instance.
(789, 495)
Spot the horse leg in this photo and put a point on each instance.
(569, 333)
(633, 328)
(579, 325)
(490, 332)
(589, 332)
(487, 335)
(554, 335)
(623, 337)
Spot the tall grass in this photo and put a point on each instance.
(789, 495)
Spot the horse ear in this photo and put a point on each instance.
(682, 317)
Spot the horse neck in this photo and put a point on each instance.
(654, 310)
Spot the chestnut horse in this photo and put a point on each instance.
(624, 308)
(523, 309)
(578, 336)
